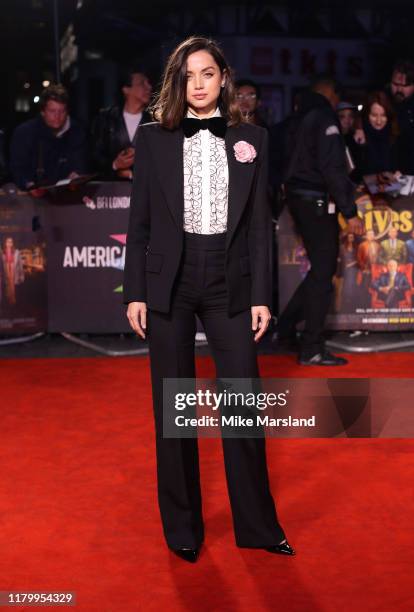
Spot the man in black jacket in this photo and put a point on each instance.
(50, 147)
(315, 172)
(114, 130)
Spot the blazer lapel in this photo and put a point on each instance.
(168, 154)
(240, 179)
(169, 161)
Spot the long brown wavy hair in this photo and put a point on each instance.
(170, 105)
(381, 98)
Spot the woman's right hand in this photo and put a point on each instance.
(137, 317)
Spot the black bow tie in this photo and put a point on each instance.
(216, 125)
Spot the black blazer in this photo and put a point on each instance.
(155, 232)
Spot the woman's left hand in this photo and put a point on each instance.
(260, 320)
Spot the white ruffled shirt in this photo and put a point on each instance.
(206, 181)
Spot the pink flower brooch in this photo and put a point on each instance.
(244, 152)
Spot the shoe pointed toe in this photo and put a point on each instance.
(324, 358)
(281, 549)
(187, 554)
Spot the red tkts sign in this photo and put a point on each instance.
(303, 62)
(261, 60)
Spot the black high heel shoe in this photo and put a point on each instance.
(188, 554)
(284, 548)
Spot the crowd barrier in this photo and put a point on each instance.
(362, 299)
(66, 252)
(70, 247)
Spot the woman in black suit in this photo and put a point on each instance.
(198, 242)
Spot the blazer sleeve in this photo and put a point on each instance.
(331, 162)
(260, 232)
(134, 288)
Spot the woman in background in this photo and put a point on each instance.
(12, 269)
(379, 124)
(347, 274)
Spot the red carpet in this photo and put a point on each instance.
(78, 501)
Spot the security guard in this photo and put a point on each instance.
(316, 172)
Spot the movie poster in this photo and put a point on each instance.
(23, 282)
(374, 280)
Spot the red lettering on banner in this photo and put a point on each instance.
(285, 59)
(261, 60)
(307, 62)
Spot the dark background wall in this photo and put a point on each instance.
(359, 40)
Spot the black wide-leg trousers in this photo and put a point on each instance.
(201, 289)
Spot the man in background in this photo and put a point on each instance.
(349, 120)
(402, 91)
(115, 129)
(50, 147)
(393, 248)
(346, 116)
(391, 285)
(248, 96)
(316, 172)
